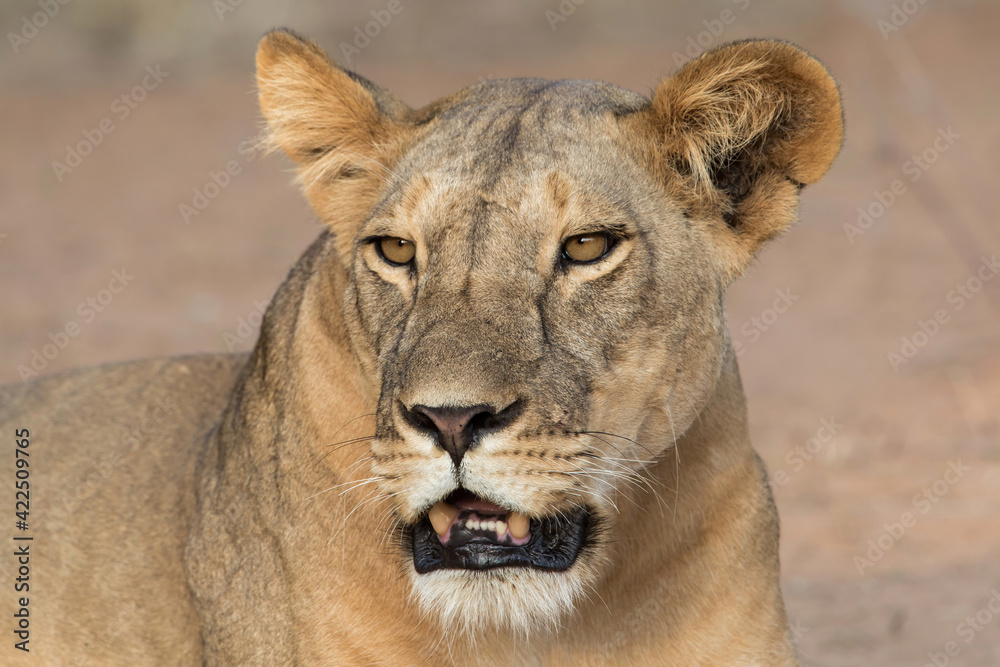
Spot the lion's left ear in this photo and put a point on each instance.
(343, 132)
(738, 132)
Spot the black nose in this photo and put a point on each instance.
(456, 428)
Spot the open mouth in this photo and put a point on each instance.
(465, 532)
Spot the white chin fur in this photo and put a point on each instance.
(518, 600)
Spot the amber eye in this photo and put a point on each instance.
(587, 247)
(396, 250)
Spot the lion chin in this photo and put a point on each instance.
(520, 600)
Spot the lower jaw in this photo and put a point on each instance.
(554, 546)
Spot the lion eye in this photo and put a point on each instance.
(587, 247)
(396, 250)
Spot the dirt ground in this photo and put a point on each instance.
(874, 396)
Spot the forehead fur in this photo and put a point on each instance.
(489, 129)
(516, 144)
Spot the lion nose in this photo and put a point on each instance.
(456, 428)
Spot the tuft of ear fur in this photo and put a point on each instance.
(342, 131)
(742, 129)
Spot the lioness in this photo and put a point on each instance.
(494, 415)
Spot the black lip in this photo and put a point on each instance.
(554, 546)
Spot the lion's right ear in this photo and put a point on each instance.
(736, 133)
(342, 131)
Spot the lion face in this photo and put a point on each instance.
(536, 275)
(525, 300)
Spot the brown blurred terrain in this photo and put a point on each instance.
(859, 442)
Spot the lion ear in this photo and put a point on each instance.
(742, 129)
(342, 131)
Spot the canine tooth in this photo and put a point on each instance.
(518, 523)
(441, 516)
(501, 528)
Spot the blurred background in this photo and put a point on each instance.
(138, 220)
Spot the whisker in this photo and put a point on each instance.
(337, 486)
(370, 457)
(352, 441)
(359, 484)
(677, 462)
(644, 463)
(597, 478)
(626, 472)
(615, 435)
(370, 414)
(357, 442)
(629, 475)
(593, 588)
(343, 533)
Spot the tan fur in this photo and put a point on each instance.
(262, 516)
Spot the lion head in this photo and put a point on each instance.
(535, 275)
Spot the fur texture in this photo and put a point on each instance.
(286, 483)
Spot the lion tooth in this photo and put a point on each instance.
(441, 516)
(472, 524)
(490, 525)
(501, 528)
(518, 523)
